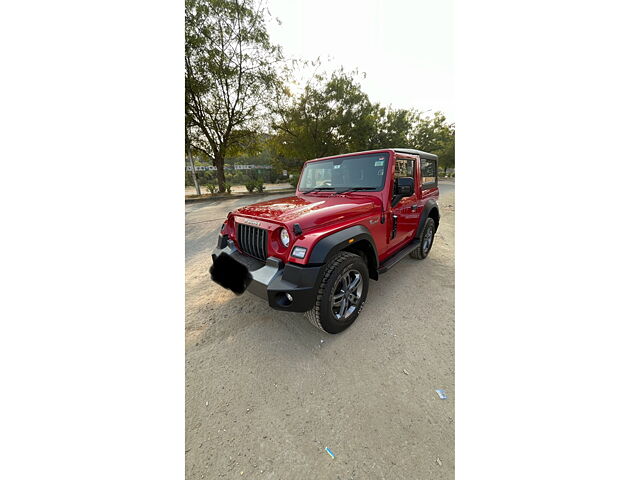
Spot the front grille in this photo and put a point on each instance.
(252, 240)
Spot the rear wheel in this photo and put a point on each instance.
(426, 240)
(342, 293)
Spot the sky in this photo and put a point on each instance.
(405, 47)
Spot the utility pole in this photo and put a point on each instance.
(193, 168)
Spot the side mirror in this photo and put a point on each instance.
(404, 186)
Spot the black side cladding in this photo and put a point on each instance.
(331, 244)
(230, 274)
(426, 212)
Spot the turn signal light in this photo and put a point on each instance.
(299, 252)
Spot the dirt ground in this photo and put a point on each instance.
(266, 392)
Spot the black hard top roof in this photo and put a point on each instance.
(410, 151)
(413, 151)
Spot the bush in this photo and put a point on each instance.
(227, 187)
(259, 184)
(211, 187)
(293, 181)
(250, 185)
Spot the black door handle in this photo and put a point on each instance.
(414, 208)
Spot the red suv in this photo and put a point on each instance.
(353, 217)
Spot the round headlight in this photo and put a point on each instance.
(284, 237)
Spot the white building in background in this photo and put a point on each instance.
(204, 168)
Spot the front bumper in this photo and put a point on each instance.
(271, 280)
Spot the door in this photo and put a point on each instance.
(405, 213)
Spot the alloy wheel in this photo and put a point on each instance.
(347, 294)
(426, 241)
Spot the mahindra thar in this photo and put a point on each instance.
(352, 218)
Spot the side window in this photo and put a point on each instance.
(404, 168)
(428, 172)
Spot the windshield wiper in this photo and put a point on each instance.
(318, 189)
(354, 189)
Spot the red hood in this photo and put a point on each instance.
(311, 211)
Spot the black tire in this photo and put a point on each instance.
(341, 270)
(424, 247)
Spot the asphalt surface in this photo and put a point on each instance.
(266, 392)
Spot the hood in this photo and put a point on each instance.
(311, 211)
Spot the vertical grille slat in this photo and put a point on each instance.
(252, 241)
(256, 243)
(264, 243)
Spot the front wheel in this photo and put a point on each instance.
(342, 293)
(426, 240)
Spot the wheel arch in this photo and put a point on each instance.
(430, 211)
(367, 251)
(356, 239)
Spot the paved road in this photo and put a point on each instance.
(266, 392)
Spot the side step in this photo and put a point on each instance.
(395, 258)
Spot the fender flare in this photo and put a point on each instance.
(335, 242)
(426, 212)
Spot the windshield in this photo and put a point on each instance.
(358, 172)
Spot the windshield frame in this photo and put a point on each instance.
(340, 159)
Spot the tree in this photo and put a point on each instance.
(331, 116)
(435, 135)
(447, 153)
(230, 75)
(334, 115)
(393, 128)
(187, 142)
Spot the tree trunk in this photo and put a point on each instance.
(193, 168)
(219, 163)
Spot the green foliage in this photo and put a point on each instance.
(293, 181)
(227, 187)
(393, 128)
(235, 87)
(250, 186)
(230, 76)
(255, 184)
(211, 188)
(435, 135)
(332, 115)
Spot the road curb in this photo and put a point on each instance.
(237, 195)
